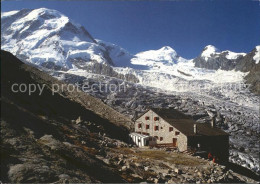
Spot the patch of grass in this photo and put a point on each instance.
(180, 160)
(173, 158)
(126, 151)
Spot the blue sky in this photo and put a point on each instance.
(185, 26)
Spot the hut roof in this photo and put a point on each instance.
(185, 123)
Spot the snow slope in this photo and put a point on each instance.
(119, 56)
(257, 55)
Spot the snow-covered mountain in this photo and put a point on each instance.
(213, 58)
(47, 37)
(211, 51)
(156, 58)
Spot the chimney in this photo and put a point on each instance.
(213, 123)
(195, 129)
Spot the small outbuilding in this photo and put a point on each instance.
(142, 139)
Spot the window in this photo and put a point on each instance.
(156, 128)
(161, 138)
(156, 118)
(177, 133)
(170, 129)
(147, 117)
(147, 126)
(156, 137)
(139, 125)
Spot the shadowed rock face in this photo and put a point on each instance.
(216, 62)
(247, 64)
(39, 138)
(220, 60)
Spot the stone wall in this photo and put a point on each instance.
(163, 131)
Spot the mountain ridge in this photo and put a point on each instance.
(63, 34)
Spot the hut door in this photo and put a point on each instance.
(146, 142)
(174, 142)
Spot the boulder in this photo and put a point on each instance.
(146, 168)
(77, 121)
(178, 171)
(124, 168)
(50, 141)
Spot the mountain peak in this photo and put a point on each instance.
(166, 48)
(211, 48)
(208, 51)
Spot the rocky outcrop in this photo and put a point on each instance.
(216, 62)
(107, 70)
(248, 64)
(213, 59)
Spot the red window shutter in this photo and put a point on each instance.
(139, 125)
(147, 118)
(156, 128)
(156, 118)
(161, 138)
(147, 126)
(170, 129)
